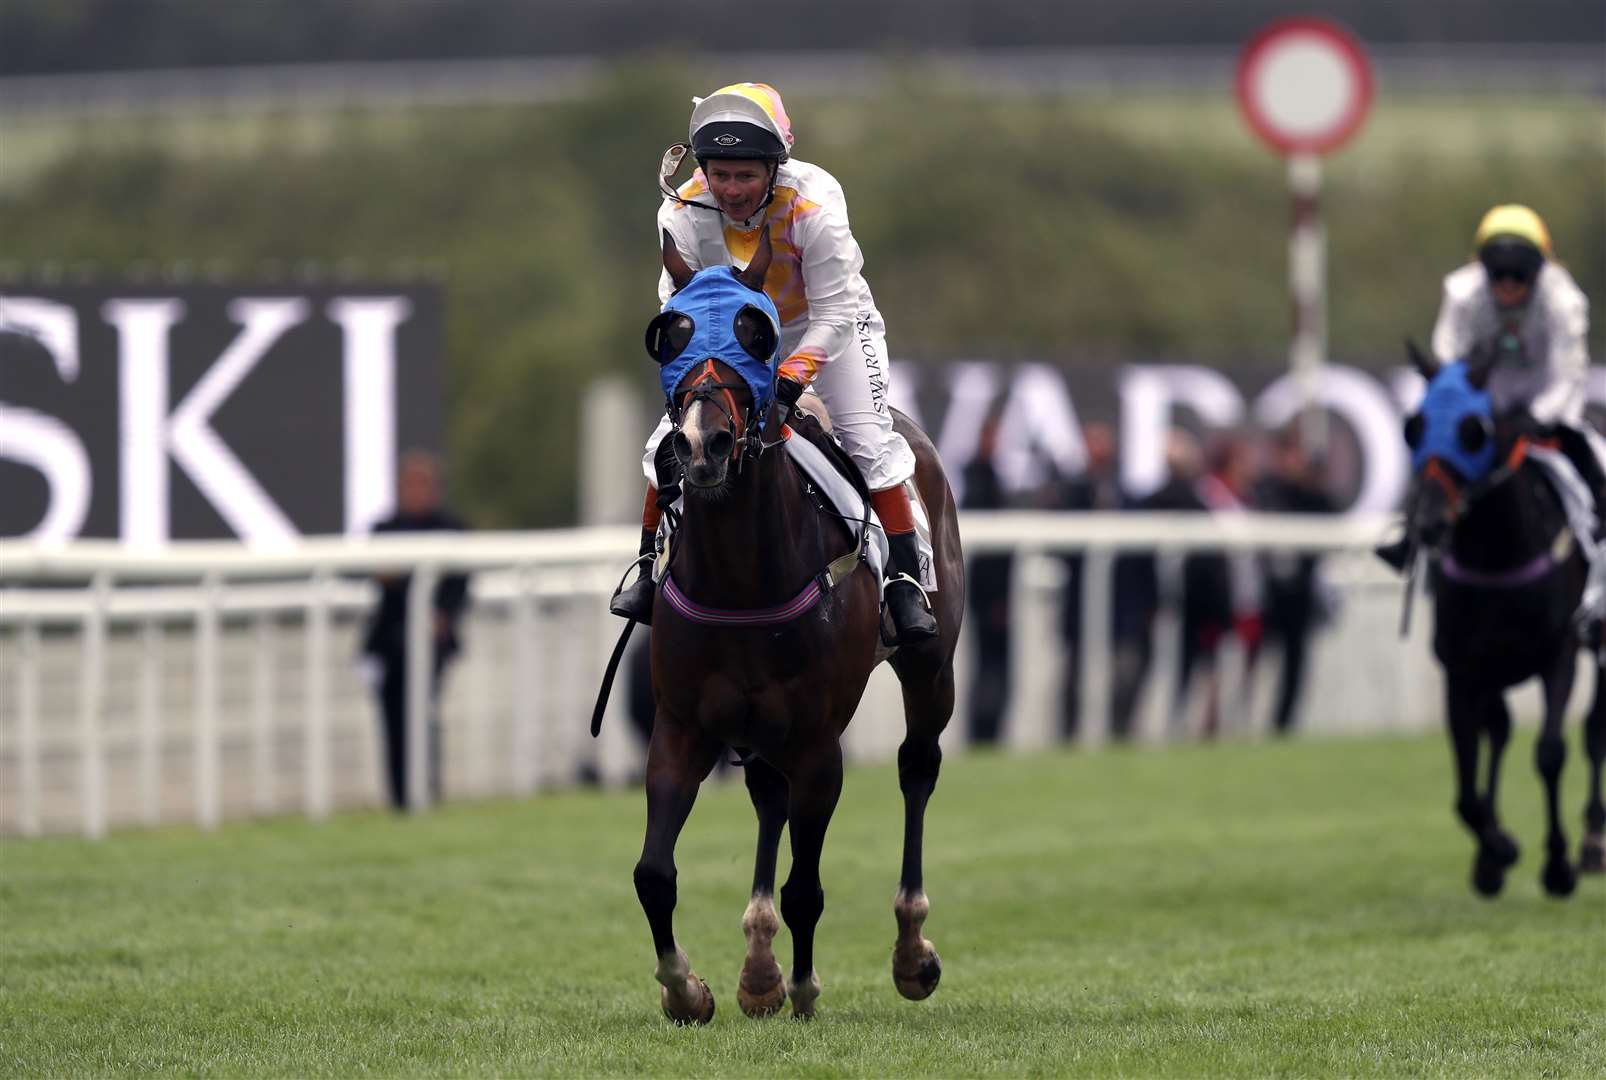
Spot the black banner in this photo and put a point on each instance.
(150, 413)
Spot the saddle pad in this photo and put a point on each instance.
(839, 493)
(1579, 504)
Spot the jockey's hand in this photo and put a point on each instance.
(787, 392)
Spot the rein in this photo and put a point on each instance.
(1472, 492)
(818, 587)
(1529, 572)
(1456, 496)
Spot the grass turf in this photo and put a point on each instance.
(1297, 908)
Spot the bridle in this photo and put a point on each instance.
(1457, 496)
(745, 429)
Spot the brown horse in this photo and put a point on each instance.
(734, 664)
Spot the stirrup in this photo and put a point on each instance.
(626, 601)
(925, 630)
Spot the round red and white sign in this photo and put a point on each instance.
(1304, 84)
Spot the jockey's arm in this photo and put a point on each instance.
(1566, 390)
(831, 262)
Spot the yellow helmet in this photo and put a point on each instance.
(1513, 221)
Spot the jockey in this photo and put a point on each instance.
(1515, 298)
(832, 336)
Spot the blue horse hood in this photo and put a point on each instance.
(1449, 400)
(713, 300)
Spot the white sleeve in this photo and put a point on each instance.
(678, 222)
(831, 263)
(1567, 365)
(1452, 333)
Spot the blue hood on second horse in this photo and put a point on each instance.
(1451, 399)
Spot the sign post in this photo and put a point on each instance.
(1304, 86)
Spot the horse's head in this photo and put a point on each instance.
(1453, 441)
(715, 342)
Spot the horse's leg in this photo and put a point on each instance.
(1592, 856)
(927, 705)
(1550, 754)
(1499, 844)
(816, 781)
(1465, 715)
(677, 762)
(761, 990)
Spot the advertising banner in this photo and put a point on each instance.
(259, 413)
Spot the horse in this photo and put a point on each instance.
(1506, 582)
(751, 649)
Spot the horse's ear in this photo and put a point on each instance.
(680, 272)
(759, 266)
(1425, 364)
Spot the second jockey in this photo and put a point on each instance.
(1516, 299)
(832, 336)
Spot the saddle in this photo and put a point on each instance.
(810, 421)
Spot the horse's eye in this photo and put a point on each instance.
(755, 332)
(1414, 426)
(668, 335)
(1473, 431)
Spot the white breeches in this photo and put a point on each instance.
(854, 387)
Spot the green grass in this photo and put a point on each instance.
(1291, 909)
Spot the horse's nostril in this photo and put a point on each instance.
(721, 444)
(682, 446)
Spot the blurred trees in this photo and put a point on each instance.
(1084, 232)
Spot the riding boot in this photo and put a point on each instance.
(906, 601)
(635, 600)
(1396, 554)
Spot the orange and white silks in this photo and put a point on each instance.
(815, 277)
(832, 336)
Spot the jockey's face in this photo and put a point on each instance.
(738, 185)
(1509, 292)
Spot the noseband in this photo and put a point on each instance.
(743, 423)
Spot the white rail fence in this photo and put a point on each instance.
(207, 682)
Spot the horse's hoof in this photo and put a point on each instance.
(696, 1009)
(1559, 879)
(1488, 876)
(916, 976)
(1592, 855)
(1501, 847)
(803, 995)
(761, 993)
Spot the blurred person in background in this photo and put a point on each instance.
(832, 335)
(1295, 601)
(1203, 592)
(988, 584)
(1233, 606)
(1515, 299)
(419, 509)
(1097, 489)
